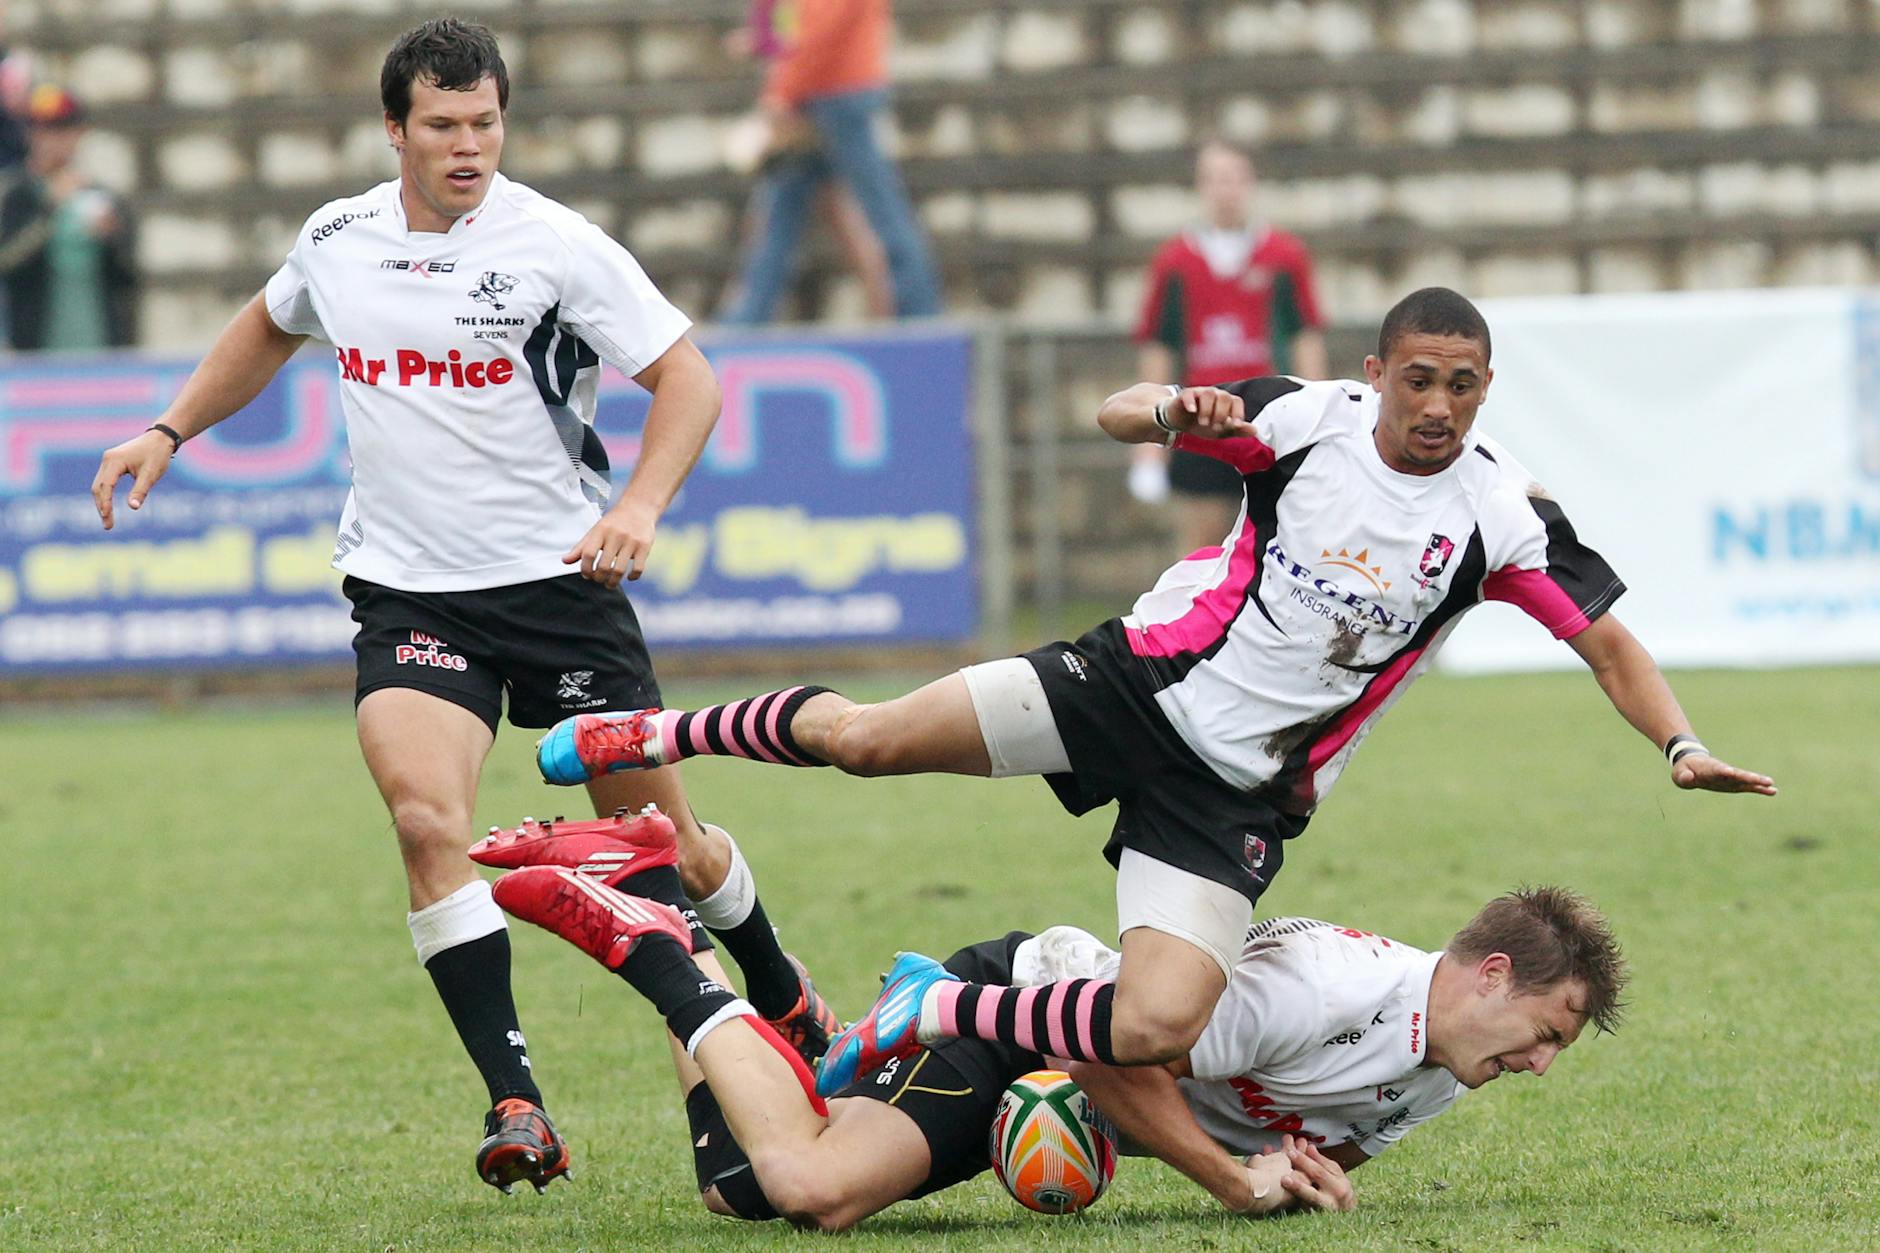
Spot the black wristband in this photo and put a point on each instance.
(1690, 743)
(176, 441)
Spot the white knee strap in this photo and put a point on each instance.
(734, 899)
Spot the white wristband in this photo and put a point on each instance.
(1160, 414)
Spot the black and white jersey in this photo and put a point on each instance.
(1273, 655)
(469, 363)
(1323, 1032)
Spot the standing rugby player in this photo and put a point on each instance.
(1221, 710)
(471, 316)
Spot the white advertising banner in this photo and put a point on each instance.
(1720, 449)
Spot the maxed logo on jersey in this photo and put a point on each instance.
(1312, 583)
(423, 269)
(414, 369)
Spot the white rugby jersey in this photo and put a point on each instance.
(1323, 1032)
(1273, 655)
(468, 367)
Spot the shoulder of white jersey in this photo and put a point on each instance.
(1502, 492)
(331, 218)
(1292, 417)
(570, 228)
(1350, 971)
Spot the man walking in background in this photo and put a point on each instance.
(1233, 298)
(470, 316)
(831, 73)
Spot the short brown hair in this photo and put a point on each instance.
(452, 55)
(1550, 934)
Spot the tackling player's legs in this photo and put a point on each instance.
(426, 755)
(992, 719)
(719, 882)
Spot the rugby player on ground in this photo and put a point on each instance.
(1220, 712)
(1329, 1045)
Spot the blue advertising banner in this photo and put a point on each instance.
(834, 505)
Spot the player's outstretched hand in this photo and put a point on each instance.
(616, 547)
(143, 459)
(1209, 413)
(1315, 1180)
(1700, 771)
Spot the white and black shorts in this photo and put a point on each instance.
(557, 647)
(1083, 714)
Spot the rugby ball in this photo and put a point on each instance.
(1050, 1147)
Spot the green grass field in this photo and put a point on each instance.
(216, 1036)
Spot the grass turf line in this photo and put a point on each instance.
(217, 1036)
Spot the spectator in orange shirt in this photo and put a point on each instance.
(830, 73)
(1232, 298)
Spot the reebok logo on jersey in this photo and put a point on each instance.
(414, 369)
(321, 233)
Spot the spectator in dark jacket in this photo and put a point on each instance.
(66, 246)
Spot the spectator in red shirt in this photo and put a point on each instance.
(1232, 298)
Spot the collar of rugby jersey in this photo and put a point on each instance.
(463, 223)
(1414, 1028)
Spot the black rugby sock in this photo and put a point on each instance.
(770, 981)
(662, 971)
(472, 980)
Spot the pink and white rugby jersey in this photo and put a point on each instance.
(1323, 1031)
(1273, 655)
(469, 363)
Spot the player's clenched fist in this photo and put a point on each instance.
(1208, 412)
(143, 459)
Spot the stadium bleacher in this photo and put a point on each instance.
(1529, 147)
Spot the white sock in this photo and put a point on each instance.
(469, 913)
(732, 903)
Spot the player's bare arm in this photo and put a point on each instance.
(1638, 690)
(1129, 416)
(248, 353)
(1147, 1108)
(684, 410)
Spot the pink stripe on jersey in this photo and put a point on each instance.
(1246, 453)
(1538, 596)
(1347, 723)
(1086, 999)
(1205, 554)
(1211, 613)
(1054, 1021)
(759, 745)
